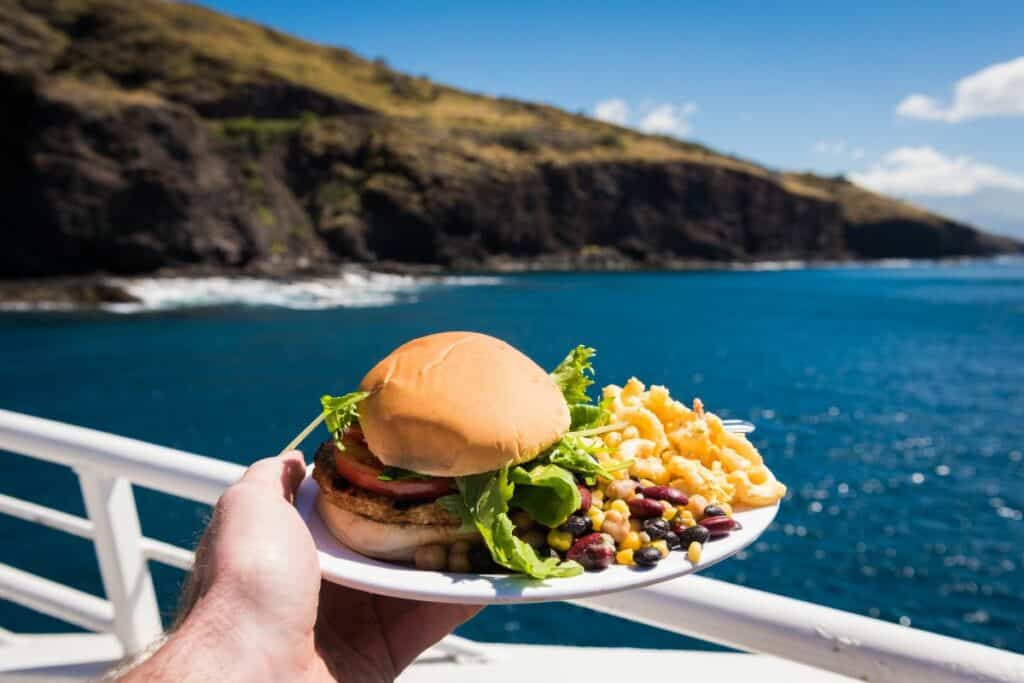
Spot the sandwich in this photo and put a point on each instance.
(458, 452)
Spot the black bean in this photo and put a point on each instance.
(578, 525)
(647, 557)
(692, 533)
(672, 540)
(713, 511)
(656, 528)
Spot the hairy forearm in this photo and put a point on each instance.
(214, 643)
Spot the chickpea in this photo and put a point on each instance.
(615, 525)
(621, 488)
(433, 557)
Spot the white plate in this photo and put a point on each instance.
(344, 566)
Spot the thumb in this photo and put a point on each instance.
(279, 476)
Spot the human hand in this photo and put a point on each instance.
(256, 608)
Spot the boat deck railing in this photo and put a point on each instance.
(128, 619)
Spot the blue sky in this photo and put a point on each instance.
(804, 86)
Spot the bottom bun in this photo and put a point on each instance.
(395, 542)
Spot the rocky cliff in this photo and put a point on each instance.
(141, 134)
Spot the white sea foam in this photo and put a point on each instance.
(347, 290)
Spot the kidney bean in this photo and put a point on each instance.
(642, 508)
(585, 498)
(669, 493)
(593, 551)
(719, 525)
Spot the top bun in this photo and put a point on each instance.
(459, 403)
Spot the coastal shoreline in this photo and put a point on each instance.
(114, 292)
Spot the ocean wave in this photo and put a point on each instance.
(348, 290)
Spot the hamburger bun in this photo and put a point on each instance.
(459, 403)
(383, 540)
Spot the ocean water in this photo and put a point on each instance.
(890, 400)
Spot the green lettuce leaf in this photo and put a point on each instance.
(398, 474)
(454, 505)
(576, 454)
(340, 412)
(547, 492)
(573, 375)
(586, 416)
(485, 499)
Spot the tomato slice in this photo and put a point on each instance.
(358, 465)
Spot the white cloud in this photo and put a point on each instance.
(924, 171)
(658, 118)
(669, 119)
(612, 111)
(996, 90)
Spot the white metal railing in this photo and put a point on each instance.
(712, 610)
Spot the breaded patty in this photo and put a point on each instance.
(342, 493)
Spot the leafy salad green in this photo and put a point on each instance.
(545, 487)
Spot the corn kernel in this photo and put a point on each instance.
(596, 518)
(620, 506)
(645, 538)
(662, 547)
(669, 514)
(687, 518)
(727, 508)
(693, 552)
(624, 557)
(631, 542)
(559, 540)
(597, 496)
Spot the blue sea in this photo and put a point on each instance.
(890, 400)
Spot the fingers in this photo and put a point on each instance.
(412, 627)
(279, 476)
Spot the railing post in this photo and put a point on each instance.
(111, 507)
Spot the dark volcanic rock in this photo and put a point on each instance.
(124, 183)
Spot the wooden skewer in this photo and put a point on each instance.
(293, 444)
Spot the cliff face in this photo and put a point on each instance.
(142, 134)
